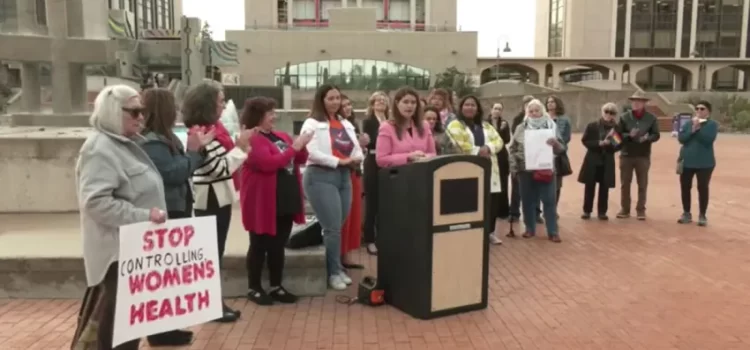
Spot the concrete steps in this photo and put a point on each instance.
(40, 257)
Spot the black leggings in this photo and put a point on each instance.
(267, 247)
(223, 219)
(686, 185)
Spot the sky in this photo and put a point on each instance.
(494, 20)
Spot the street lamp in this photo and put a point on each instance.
(497, 63)
(702, 70)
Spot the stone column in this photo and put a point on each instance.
(96, 13)
(427, 16)
(359, 3)
(31, 86)
(613, 34)
(26, 17)
(413, 14)
(628, 26)
(743, 42)
(61, 73)
(290, 13)
(693, 27)
(678, 36)
(193, 69)
(78, 88)
(344, 4)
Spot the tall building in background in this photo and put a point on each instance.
(648, 28)
(151, 14)
(408, 15)
(356, 44)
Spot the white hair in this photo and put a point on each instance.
(609, 106)
(108, 113)
(538, 104)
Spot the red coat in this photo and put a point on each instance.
(258, 184)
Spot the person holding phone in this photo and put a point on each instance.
(697, 160)
(639, 129)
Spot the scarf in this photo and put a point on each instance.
(543, 122)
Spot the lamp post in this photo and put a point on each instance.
(702, 70)
(506, 50)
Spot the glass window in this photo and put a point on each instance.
(354, 74)
(325, 5)
(399, 10)
(378, 5)
(304, 10)
(41, 12)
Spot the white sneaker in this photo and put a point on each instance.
(335, 282)
(345, 278)
(494, 240)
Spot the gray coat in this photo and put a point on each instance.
(117, 184)
(175, 167)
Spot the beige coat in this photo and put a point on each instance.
(117, 184)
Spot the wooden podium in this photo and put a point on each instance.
(432, 235)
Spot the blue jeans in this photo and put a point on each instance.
(329, 192)
(532, 192)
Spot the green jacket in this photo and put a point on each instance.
(647, 125)
(698, 147)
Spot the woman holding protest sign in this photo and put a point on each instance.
(271, 198)
(212, 181)
(117, 184)
(176, 164)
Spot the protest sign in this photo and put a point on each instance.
(168, 277)
(538, 154)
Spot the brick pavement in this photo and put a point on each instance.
(609, 285)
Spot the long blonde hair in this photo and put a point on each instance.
(371, 101)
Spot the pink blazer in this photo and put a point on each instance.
(258, 185)
(390, 151)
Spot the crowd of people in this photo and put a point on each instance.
(133, 168)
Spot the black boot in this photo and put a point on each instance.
(228, 315)
(172, 338)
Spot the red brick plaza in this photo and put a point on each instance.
(609, 285)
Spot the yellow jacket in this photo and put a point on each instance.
(464, 140)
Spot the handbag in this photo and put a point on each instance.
(562, 165)
(680, 166)
(543, 176)
(306, 235)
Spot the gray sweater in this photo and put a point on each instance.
(117, 184)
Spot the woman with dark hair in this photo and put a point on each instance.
(443, 143)
(333, 153)
(351, 232)
(503, 129)
(443, 101)
(175, 164)
(474, 136)
(377, 113)
(212, 181)
(405, 137)
(556, 111)
(270, 197)
(697, 160)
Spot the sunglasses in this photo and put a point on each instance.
(134, 112)
(611, 112)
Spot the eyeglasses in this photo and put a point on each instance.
(134, 112)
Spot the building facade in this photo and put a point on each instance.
(649, 28)
(357, 44)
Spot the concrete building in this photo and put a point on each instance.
(649, 28)
(355, 43)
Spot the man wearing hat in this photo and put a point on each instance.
(515, 195)
(639, 130)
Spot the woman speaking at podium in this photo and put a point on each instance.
(406, 137)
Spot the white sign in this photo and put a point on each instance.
(168, 277)
(537, 152)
